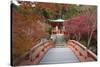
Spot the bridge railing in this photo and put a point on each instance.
(35, 54)
(82, 53)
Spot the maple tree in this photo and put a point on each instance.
(27, 28)
(83, 26)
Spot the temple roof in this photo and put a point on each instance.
(57, 20)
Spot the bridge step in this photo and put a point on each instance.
(59, 55)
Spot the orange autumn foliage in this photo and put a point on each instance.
(27, 28)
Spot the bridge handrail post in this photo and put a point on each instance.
(28, 53)
(89, 53)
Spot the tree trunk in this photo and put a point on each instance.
(89, 39)
(68, 37)
(79, 36)
(76, 38)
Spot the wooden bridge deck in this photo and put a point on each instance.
(61, 52)
(59, 55)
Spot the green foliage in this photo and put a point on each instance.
(45, 13)
(70, 11)
(49, 28)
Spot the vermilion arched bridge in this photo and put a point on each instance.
(48, 52)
